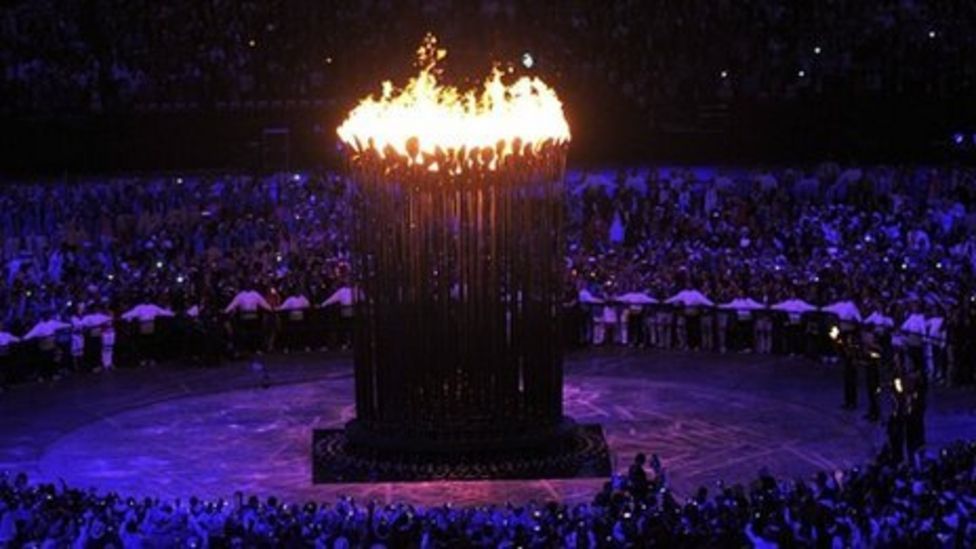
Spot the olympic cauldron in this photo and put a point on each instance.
(457, 263)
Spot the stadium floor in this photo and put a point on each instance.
(173, 431)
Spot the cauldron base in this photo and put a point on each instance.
(576, 451)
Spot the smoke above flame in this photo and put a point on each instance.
(426, 119)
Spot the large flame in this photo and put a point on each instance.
(425, 118)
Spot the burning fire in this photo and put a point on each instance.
(425, 120)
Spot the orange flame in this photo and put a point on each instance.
(425, 118)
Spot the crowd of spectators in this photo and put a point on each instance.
(170, 249)
(171, 241)
(97, 57)
(898, 242)
(928, 502)
(895, 241)
(780, 49)
(104, 56)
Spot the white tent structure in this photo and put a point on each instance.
(295, 307)
(743, 307)
(878, 320)
(45, 329)
(146, 312)
(635, 298)
(295, 303)
(797, 306)
(743, 304)
(248, 302)
(914, 324)
(587, 298)
(94, 320)
(690, 298)
(343, 297)
(847, 311)
(794, 308)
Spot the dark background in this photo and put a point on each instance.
(221, 83)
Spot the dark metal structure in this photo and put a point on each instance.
(458, 267)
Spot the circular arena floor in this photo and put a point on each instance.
(176, 432)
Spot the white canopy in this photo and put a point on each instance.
(7, 339)
(248, 301)
(635, 298)
(588, 298)
(845, 310)
(878, 319)
(343, 296)
(743, 304)
(94, 320)
(295, 303)
(690, 298)
(146, 312)
(934, 325)
(46, 328)
(794, 306)
(914, 324)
